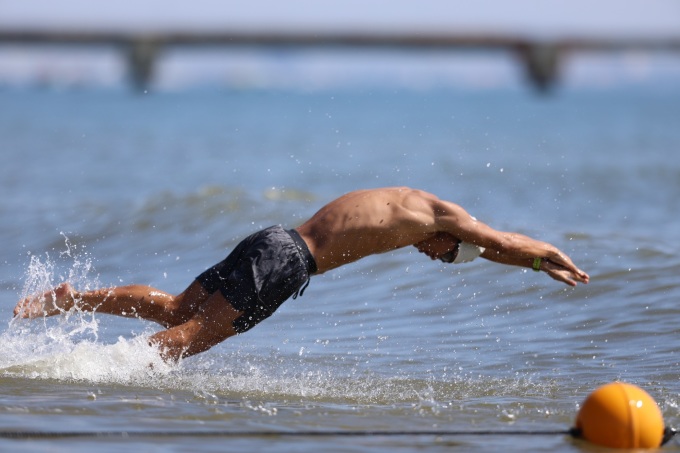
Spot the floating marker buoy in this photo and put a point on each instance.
(620, 415)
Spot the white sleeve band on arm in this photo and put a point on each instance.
(467, 252)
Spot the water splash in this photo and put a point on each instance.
(68, 347)
(44, 274)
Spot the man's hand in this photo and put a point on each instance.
(564, 274)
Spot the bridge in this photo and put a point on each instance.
(541, 58)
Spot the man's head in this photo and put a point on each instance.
(440, 246)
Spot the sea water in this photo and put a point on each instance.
(106, 187)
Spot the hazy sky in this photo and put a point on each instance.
(543, 17)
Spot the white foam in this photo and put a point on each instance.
(55, 356)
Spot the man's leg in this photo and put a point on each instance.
(212, 324)
(130, 301)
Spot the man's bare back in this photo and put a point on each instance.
(367, 222)
(356, 225)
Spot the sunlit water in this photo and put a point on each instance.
(107, 188)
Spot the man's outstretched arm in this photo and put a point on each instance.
(507, 248)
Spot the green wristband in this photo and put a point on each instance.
(537, 264)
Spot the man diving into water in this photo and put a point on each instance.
(274, 264)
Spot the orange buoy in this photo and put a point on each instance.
(620, 415)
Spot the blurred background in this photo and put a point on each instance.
(307, 45)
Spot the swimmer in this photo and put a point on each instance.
(272, 265)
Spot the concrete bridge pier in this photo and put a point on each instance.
(141, 62)
(542, 64)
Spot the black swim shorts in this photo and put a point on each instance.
(264, 270)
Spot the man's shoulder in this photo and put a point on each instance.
(419, 197)
(406, 192)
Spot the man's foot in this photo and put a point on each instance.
(50, 303)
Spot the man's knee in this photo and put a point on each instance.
(184, 306)
(191, 337)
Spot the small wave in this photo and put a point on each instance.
(184, 219)
(212, 204)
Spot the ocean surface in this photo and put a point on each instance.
(108, 187)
